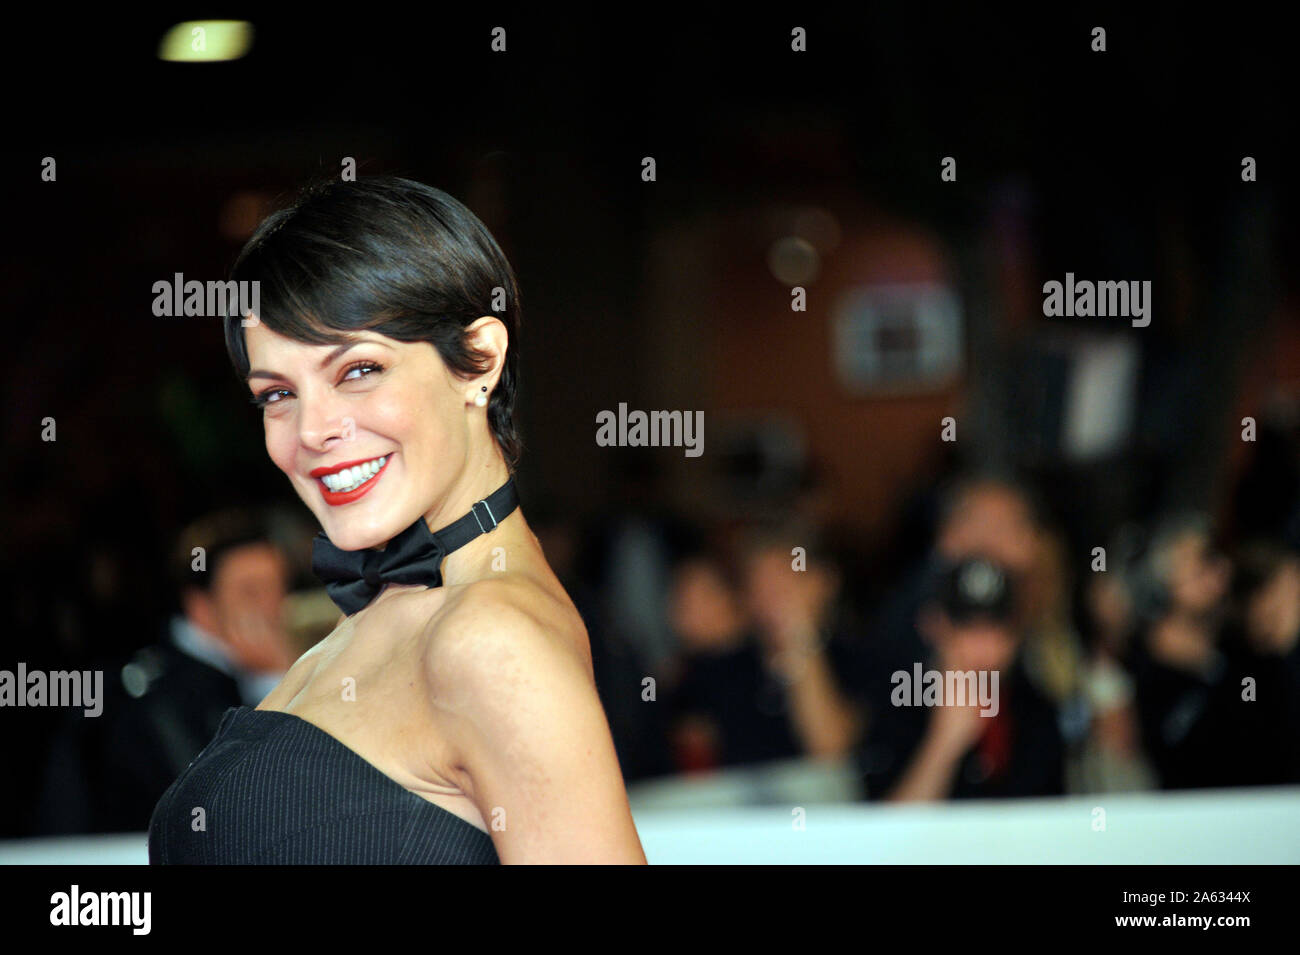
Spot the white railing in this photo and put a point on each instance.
(1227, 826)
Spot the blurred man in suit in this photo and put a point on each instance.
(227, 647)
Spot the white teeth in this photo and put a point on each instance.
(351, 478)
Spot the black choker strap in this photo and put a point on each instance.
(354, 577)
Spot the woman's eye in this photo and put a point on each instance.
(365, 367)
(269, 397)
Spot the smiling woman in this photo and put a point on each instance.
(452, 715)
(390, 256)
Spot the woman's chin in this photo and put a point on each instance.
(351, 537)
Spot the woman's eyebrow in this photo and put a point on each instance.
(325, 362)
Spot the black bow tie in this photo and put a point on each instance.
(354, 577)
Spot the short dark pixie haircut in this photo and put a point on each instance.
(390, 256)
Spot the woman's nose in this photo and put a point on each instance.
(324, 421)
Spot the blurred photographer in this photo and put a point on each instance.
(1006, 745)
(1263, 655)
(1184, 690)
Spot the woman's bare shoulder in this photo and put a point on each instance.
(497, 613)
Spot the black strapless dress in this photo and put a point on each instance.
(277, 789)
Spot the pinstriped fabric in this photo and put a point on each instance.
(276, 789)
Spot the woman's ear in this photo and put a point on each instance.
(488, 337)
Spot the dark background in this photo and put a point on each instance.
(1122, 164)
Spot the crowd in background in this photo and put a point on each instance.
(1153, 660)
(1158, 658)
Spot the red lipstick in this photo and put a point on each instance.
(335, 468)
(337, 498)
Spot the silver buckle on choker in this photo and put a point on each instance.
(474, 511)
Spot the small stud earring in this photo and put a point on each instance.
(480, 399)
